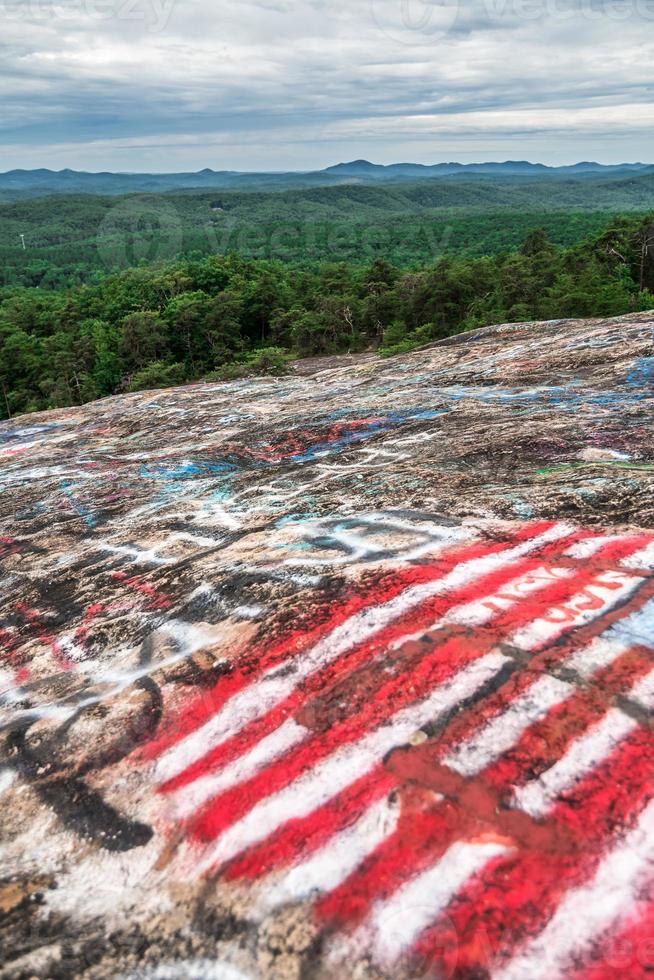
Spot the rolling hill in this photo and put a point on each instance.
(69, 236)
(29, 183)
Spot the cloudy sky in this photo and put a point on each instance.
(167, 85)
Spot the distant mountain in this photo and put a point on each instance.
(365, 169)
(362, 168)
(35, 183)
(31, 182)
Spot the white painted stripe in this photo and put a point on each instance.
(357, 546)
(587, 752)
(495, 738)
(189, 638)
(590, 547)
(347, 764)
(337, 860)
(609, 588)
(279, 682)
(589, 911)
(480, 611)
(396, 924)
(637, 628)
(643, 692)
(641, 559)
(247, 612)
(600, 653)
(187, 799)
(201, 540)
(19, 447)
(212, 512)
(67, 646)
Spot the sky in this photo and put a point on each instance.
(171, 85)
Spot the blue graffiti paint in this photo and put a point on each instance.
(18, 435)
(68, 488)
(185, 471)
(373, 427)
(641, 377)
(297, 518)
(521, 508)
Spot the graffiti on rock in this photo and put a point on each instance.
(343, 673)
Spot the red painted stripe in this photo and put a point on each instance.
(514, 898)
(389, 867)
(563, 723)
(628, 953)
(300, 837)
(566, 645)
(319, 623)
(472, 813)
(157, 600)
(322, 681)
(550, 656)
(425, 673)
(10, 546)
(97, 609)
(545, 742)
(298, 443)
(425, 829)
(233, 804)
(265, 656)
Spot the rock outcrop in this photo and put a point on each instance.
(348, 673)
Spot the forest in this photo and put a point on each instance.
(226, 316)
(60, 241)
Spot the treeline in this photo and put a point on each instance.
(226, 316)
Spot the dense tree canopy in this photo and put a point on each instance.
(154, 326)
(66, 240)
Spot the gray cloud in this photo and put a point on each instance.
(276, 84)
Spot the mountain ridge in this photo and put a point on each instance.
(25, 182)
